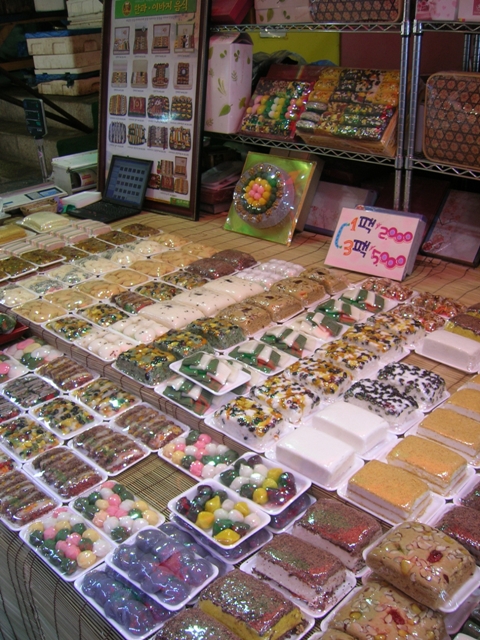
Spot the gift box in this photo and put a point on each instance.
(469, 10)
(229, 81)
(437, 10)
(229, 11)
(360, 11)
(283, 15)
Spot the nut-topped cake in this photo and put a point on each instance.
(379, 610)
(249, 607)
(309, 573)
(339, 529)
(425, 563)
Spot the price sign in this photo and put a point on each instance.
(377, 242)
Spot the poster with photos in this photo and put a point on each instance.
(153, 80)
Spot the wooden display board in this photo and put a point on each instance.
(152, 95)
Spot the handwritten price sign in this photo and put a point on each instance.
(376, 242)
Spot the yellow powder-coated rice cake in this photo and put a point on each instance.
(453, 430)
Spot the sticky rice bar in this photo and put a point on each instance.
(463, 525)
(357, 427)
(307, 291)
(339, 529)
(409, 330)
(384, 344)
(383, 399)
(220, 334)
(249, 317)
(316, 324)
(452, 430)
(434, 463)
(146, 364)
(333, 283)
(249, 607)
(292, 400)
(323, 378)
(321, 457)
(194, 623)
(457, 351)
(363, 299)
(357, 361)
(182, 343)
(392, 492)
(466, 402)
(249, 420)
(309, 573)
(423, 562)
(279, 306)
(466, 325)
(426, 387)
(379, 610)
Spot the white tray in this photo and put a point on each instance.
(217, 401)
(287, 528)
(242, 378)
(216, 486)
(350, 581)
(24, 536)
(302, 484)
(285, 359)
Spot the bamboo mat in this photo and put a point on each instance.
(37, 605)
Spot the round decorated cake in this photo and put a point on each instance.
(263, 196)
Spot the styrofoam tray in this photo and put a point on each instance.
(285, 359)
(472, 482)
(419, 349)
(242, 377)
(428, 515)
(216, 486)
(38, 475)
(227, 554)
(340, 592)
(217, 401)
(290, 523)
(13, 454)
(123, 631)
(24, 536)
(156, 596)
(311, 345)
(414, 418)
(302, 484)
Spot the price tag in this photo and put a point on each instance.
(377, 242)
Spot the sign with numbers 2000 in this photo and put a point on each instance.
(375, 242)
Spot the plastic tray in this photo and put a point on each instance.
(216, 486)
(243, 377)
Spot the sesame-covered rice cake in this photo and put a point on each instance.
(409, 330)
(441, 468)
(425, 386)
(383, 399)
(386, 345)
(425, 563)
(293, 400)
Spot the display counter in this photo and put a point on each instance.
(34, 602)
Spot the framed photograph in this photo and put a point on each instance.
(455, 232)
(270, 197)
(154, 60)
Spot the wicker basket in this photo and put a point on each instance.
(452, 123)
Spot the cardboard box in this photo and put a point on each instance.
(229, 11)
(229, 83)
(284, 15)
(469, 10)
(437, 10)
(281, 4)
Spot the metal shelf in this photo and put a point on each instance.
(445, 169)
(301, 146)
(446, 27)
(313, 27)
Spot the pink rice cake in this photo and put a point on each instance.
(339, 529)
(357, 361)
(386, 345)
(308, 573)
(293, 400)
(379, 610)
(323, 378)
(249, 420)
(425, 563)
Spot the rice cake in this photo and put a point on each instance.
(452, 430)
(466, 402)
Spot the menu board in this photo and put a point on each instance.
(152, 86)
